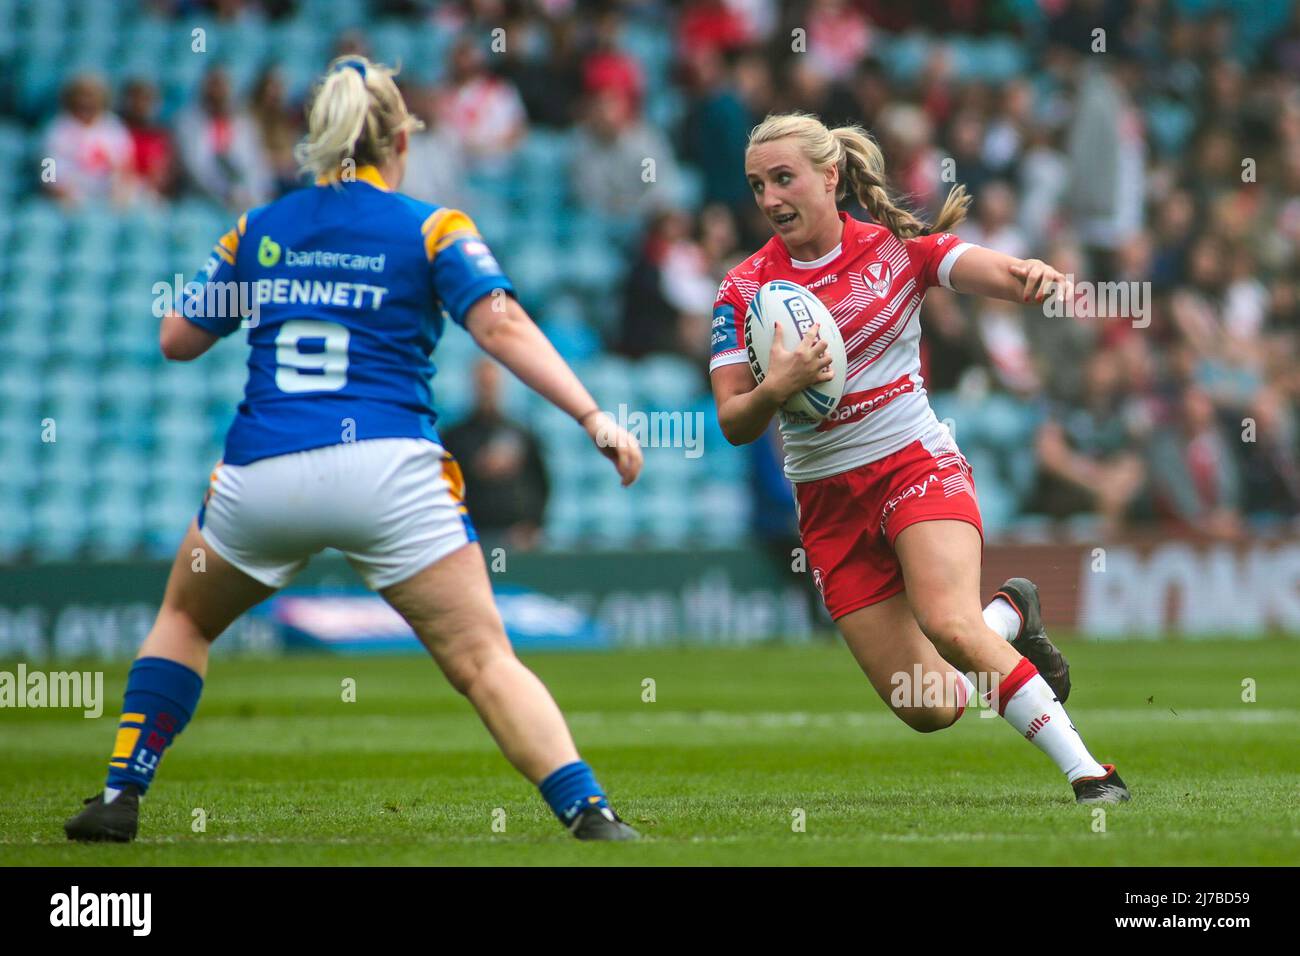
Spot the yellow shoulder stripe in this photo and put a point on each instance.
(443, 228)
(228, 245)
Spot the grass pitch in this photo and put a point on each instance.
(737, 746)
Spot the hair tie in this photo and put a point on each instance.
(352, 62)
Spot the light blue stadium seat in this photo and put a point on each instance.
(13, 140)
(40, 75)
(904, 56)
(128, 342)
(15, 527)
(115, 514)
(122, 466)
(8, 27)
(22, 346)
(40, 218)
(721, 514)
(176, 384)
(610, 519)
(181, 428)
(76, 429)
(666, 523)
(1002, 59)
(66, 462)
(592, 266)
(226, 385)
(665, 109)
(610, 380)
(564, 325)
(21, 382)
(19, 451)
(668, 381)
(392, 41)
(166, 515)
(997, 500)
(533, 271)
(562, 526)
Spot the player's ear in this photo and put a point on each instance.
(832, 173)
(401, 141)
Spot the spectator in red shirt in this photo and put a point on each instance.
(609, 69)
(711, 25)
(153, 152)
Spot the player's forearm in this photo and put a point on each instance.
(745, 417)
(995, 275)
(514, 340)
(986, 272)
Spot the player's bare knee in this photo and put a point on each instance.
(927, 720)
(465, 661)
(181, 623)
(953, 634)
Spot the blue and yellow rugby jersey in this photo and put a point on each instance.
(351, 283)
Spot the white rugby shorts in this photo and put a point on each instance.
(393, 506)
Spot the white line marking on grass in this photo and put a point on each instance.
(770, 720)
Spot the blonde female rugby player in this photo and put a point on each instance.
(886, 502)
(334, 446)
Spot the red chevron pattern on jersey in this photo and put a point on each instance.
(873, 284)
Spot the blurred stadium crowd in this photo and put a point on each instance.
(599, 148)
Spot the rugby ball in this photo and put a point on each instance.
(788, 306)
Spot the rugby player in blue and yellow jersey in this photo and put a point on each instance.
(335, 445)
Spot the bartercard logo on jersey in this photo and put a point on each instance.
(879, 275)
(325, 259)
(268, 252)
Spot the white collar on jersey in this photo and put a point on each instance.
(819, 262)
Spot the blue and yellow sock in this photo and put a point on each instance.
(571, 788)
(161, 696)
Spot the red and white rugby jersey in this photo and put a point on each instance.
(872, 283)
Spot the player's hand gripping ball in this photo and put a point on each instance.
(794, 310)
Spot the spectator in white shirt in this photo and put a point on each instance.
(88, 150)
(485, 112)
(221, 149)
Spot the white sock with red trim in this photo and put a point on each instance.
(1002, 618)
(1029, 705)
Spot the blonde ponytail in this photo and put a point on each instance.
(356, 112)
(862, 170)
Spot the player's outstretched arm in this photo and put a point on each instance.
(745, 407)
(504, 330)
(996, 275)
(181, 340)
